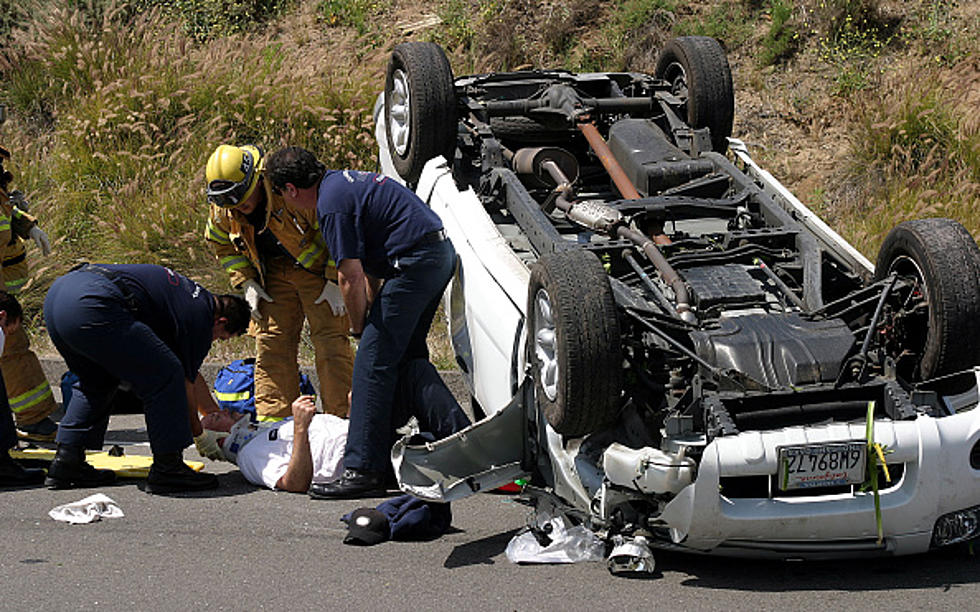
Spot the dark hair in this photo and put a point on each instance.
(293, 165)
(11, 306)
(235, 309)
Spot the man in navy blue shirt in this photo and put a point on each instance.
(375, 229)
(150, 328)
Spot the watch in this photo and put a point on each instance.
(356, 336)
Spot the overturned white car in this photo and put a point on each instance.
(662, 340)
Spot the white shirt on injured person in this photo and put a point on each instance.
(263, 460)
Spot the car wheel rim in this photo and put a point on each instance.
(399, 123)
(675, 75)
(544, 344)
(906, 267)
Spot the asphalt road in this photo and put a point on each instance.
(244, 548)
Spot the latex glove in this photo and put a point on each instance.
(331, 295)
(40, 239)
(253, 293)
(207, 445)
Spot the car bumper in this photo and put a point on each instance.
(936, 479)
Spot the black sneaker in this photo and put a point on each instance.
(69, 470)
(354, 484)
(13, 474)
(169, 474)
(42, 431)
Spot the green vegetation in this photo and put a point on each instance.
(115, 105)
(112, 123)
(782, 39)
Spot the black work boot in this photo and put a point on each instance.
(69, 470)
(354, 484)
(169, 474)
(13, 474)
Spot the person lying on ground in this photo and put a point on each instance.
(307, 451)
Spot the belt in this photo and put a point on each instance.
(432, 237)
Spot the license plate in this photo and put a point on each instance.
(822, 465)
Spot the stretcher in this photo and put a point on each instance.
(125, 466)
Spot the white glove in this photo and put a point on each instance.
(40, 239)
(331, 295)
(254, 292)
(207, 445)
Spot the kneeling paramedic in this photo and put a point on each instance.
(148, 327)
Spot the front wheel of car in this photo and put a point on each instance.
(574, 342)
(420, 107)
(699, 75)
(939, 318)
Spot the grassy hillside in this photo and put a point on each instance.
(866, 109)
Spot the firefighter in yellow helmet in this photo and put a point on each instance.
(275, 254)
(28, 390)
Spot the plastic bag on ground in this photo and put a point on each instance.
(560, 544)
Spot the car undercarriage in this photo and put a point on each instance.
(694, 356)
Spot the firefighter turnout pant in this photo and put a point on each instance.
(293, 290)
(27, 388)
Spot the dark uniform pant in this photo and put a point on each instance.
(8, 435)
(422, 393)
(396, 330)
(93, 326)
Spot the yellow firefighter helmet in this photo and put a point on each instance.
(232, 174)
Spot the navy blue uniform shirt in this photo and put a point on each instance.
(178, 310)
(372, 218)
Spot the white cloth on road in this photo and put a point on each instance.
(88, 510)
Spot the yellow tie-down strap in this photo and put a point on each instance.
(125, 466)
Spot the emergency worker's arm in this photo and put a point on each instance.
(299, 472)
(235, 262)
(6, 237)
(21, 222)
(354, 287)
(199, 400)
(373, 286)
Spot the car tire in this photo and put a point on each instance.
(698, 72)
(941, 255)
(420, 107)
(574, 342)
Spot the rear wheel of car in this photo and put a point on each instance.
(697, 69)
(574, 342)
(420, 107)
(940, 314)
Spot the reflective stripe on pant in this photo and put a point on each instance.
(293, 291)
(103, 344)
(28, 390)
(396, 330)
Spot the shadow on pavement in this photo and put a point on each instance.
(230, 484)
(479, 552)
(939, 569)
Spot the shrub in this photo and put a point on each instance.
(112, 124)
(782, 39)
